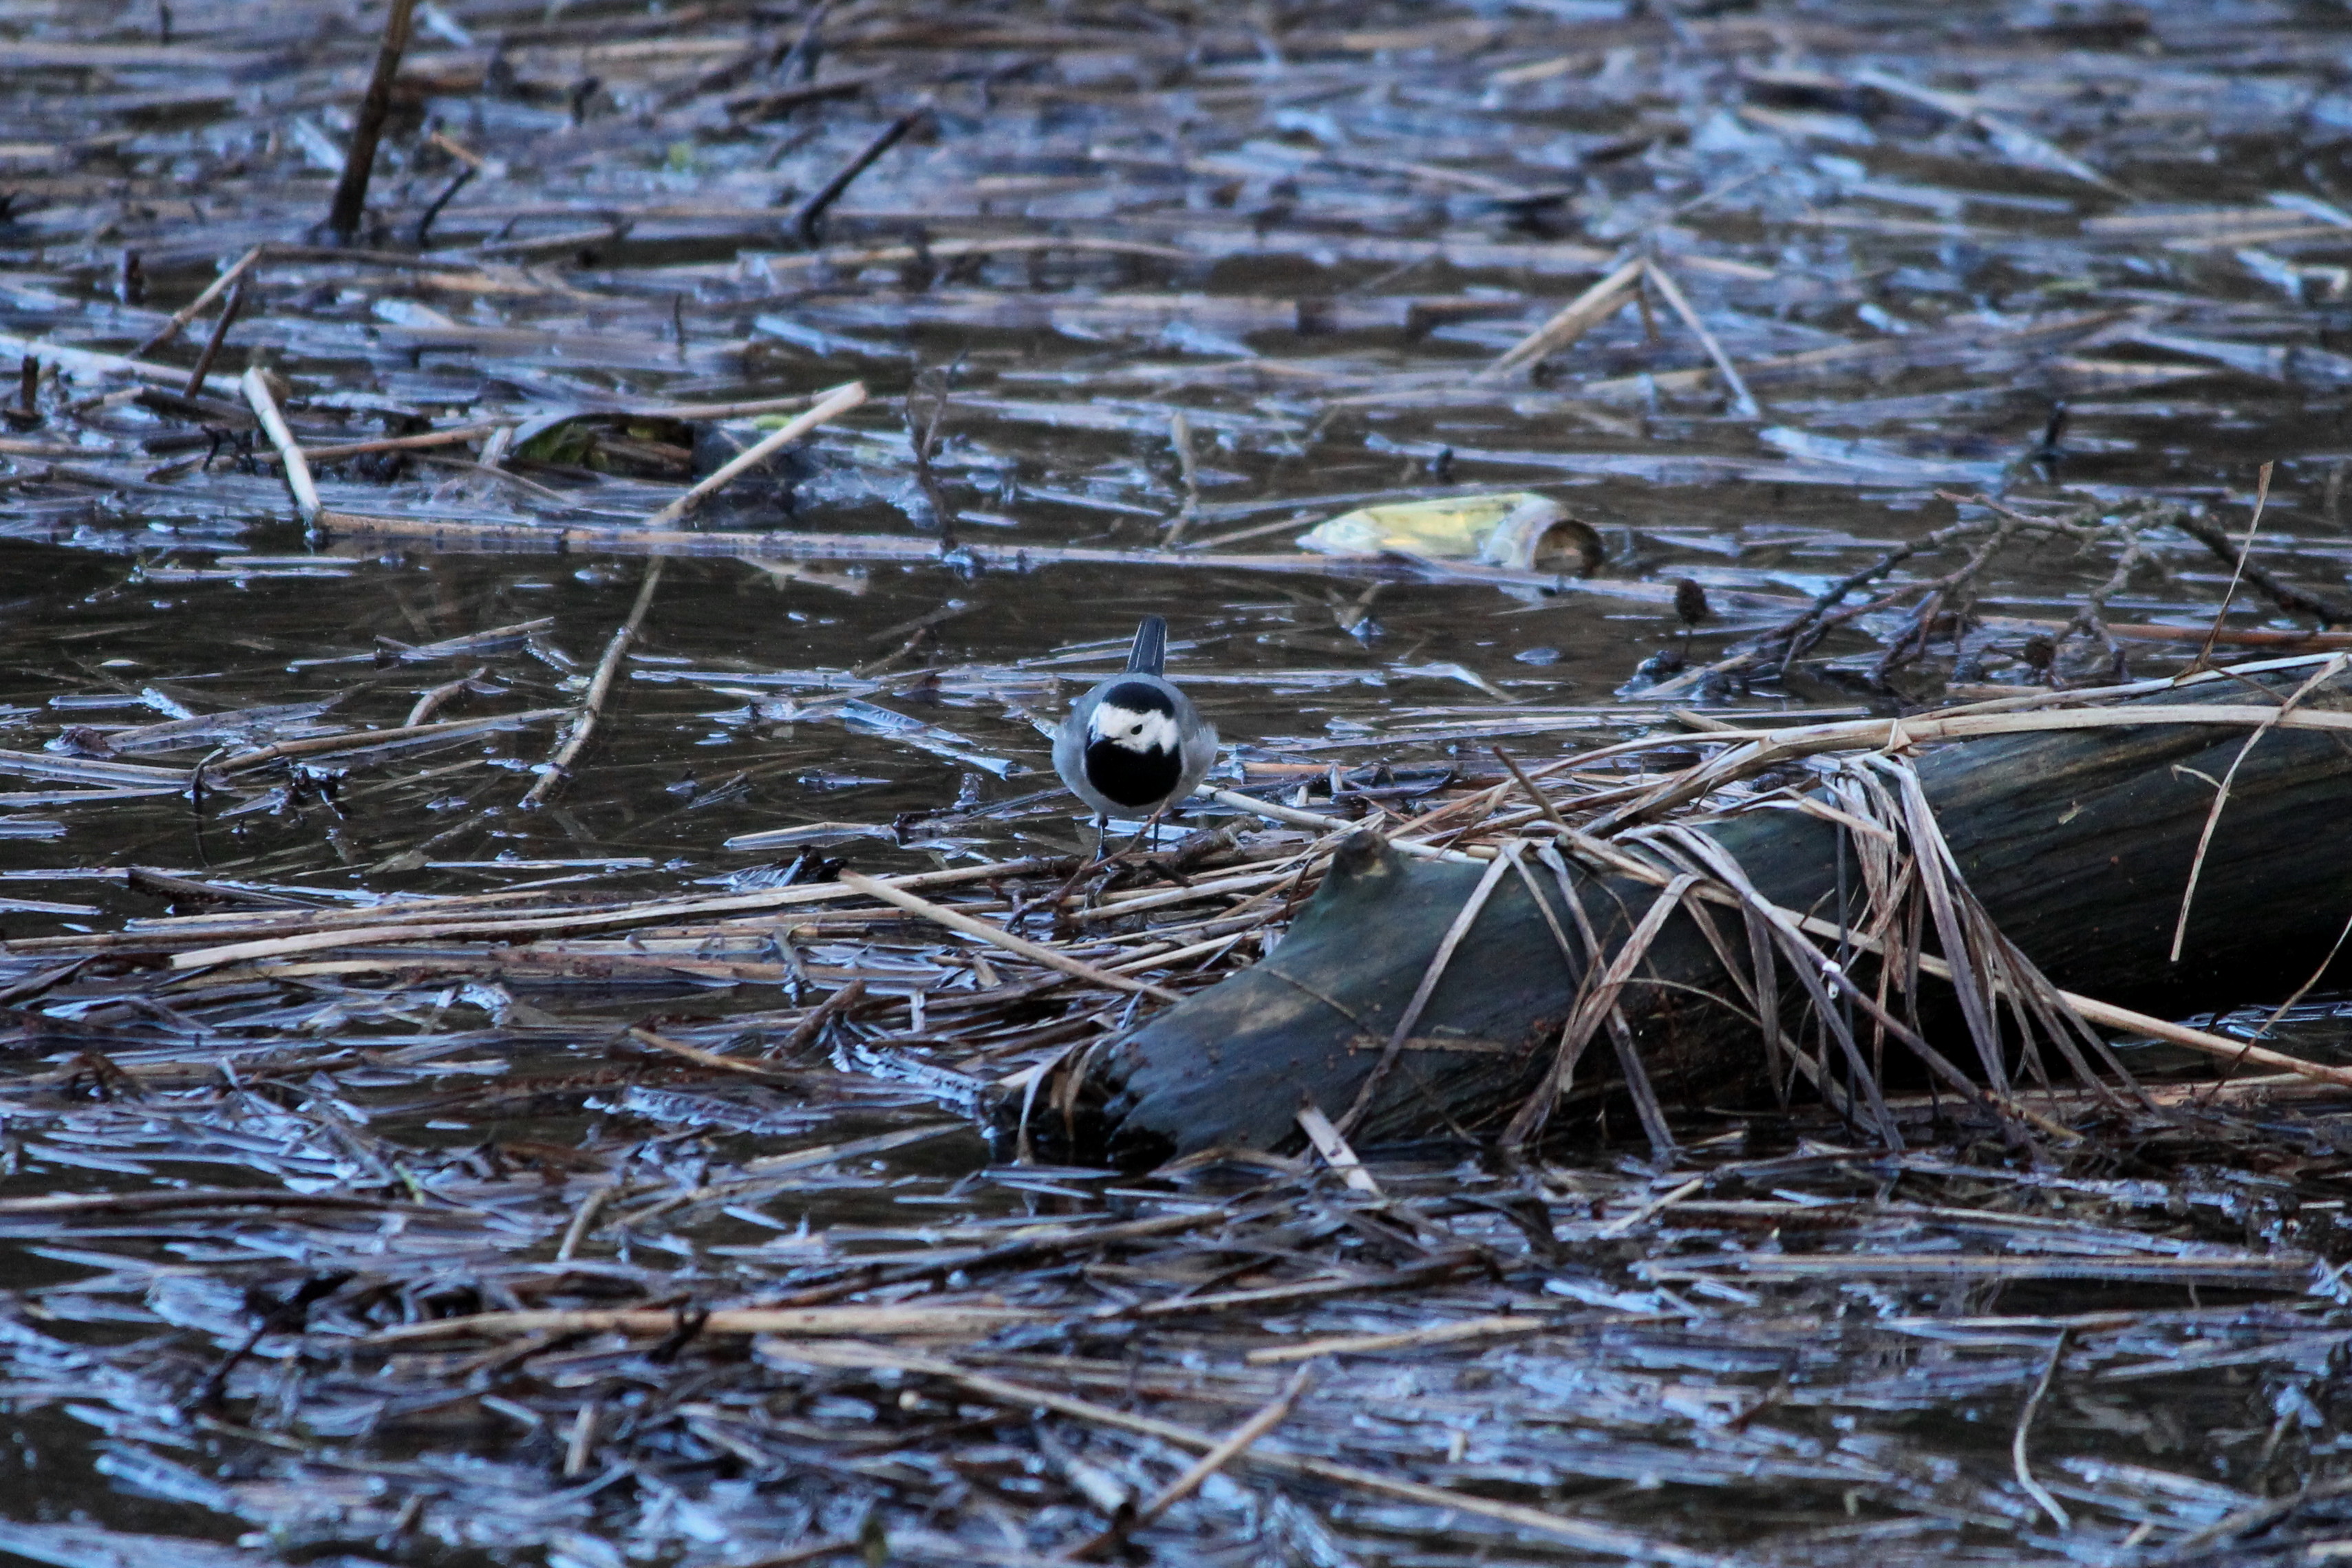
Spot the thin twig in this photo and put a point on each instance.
(227, 318)
(2035, 1488)
(558, 768)
(1543, 801)
(839, 401)
(807, 222)
(1444, 957)
(2238, 573)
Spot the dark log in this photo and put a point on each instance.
(2077, 843)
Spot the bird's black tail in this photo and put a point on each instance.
(1149, 657)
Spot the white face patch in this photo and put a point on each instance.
(1135, 731)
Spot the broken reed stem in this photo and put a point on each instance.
(361, 739)
(558, 766)
(2238, 573)
(195, 307)
(807, 221)
(359, 158)
(708, 1058)
(1336, 1150)
(430, 702)
(227, 319)
(1273, 1414)
(1743, 402)
(838, 402)
(256, 383)
(1580, 316)
(451, 436)
(1036, 951)
(584, 1219)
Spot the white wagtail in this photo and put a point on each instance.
(1135, 743)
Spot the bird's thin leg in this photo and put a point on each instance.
(1151, 825)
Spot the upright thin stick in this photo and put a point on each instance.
(575, 740)
(195, 307)
(1743, 402)
(229, 313)
(255, 385)
(2253, 525)
(359, 158)
(808, 223)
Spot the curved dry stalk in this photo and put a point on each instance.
(1438, 964)
(2221, 795)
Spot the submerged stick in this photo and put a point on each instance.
(834, 403)
(558, 768)
(363, 739)
(359, 158)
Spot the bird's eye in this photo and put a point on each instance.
(1136, 730)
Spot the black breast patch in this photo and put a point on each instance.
(1133, 779)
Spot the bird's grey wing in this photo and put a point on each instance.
(1070, 744)
(1200, 755)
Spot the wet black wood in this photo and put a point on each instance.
(2079, 843)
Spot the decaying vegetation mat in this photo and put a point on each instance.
(1890, 1324)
